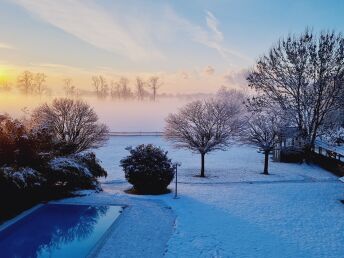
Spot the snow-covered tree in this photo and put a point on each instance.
(22, 144)
(73, 123)
(304, 76)
(334, 132)
(262, 130)
(204, 126)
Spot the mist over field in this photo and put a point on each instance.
(208, 128)
(118, 115)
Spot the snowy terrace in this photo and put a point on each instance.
(235, 212)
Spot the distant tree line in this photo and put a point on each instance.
(29, 83)
(121, 89)
(32, 83)
(5, 86)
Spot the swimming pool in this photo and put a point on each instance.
(58, 230)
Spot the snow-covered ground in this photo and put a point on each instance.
(236, 212)
(237, 164)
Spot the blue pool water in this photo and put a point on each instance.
(58, 230)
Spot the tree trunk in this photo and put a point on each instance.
(266, 163)
(154, 94)
(202, 165)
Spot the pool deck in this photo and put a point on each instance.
(148, 222)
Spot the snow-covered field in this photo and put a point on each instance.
(236, 212)
(237, 164)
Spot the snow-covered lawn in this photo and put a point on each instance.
(237, 164)
(236, 212)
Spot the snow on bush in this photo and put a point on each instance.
(93, 164)
(66, 165)
(76, 171)
(21, 178)
(148, 169)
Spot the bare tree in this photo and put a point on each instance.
(5, 85)
(115, 90)
(154, 83)
(104, 88)
(124, 89)
(140, 88)
(233, 96)
(262, 130)
(304, 76)
(334, 132)
(39, 80)
(100, 85)
(96, 84)
(73, 123)
(26, 82)
(69, 88)
(204, 126)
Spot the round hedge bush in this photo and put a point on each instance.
(148, 169)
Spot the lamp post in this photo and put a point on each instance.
(176, 165)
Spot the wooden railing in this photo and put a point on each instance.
(329, 151)
(329, 158)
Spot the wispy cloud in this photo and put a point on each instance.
(213, 25)
(129, 32)
(6, 46)
(216, 39)
(92, 23)
(210, 36)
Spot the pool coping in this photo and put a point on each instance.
(99, 244)
(111, 230)
(20, 216)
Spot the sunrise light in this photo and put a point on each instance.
(2, 73)
(169, 128)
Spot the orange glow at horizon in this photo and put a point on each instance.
(5, 75)
(2, 73)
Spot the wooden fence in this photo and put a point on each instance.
(329, 159)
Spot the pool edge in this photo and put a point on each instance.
(20, 216)
(111, 230)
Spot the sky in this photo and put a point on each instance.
(194, 46)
